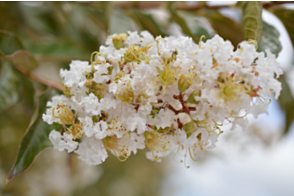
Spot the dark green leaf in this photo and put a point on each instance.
(252, 19)
(270, 39)
(24, 59)
(9, 42)
(9, 86)
(286, 101)
(227, 28)
(175, 17)
(146, 21)
(35, 139)
(287, 18)
(27, 94)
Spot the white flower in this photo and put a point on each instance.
(76, 74)
(163, 94)
(62, 142)
(92, 151)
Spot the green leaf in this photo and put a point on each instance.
(227, 28)
(27, 94)
(24, 59)
(9, 86)
(35, 139)
(9, 42)
(176, 17)
(286, 101)
(270, 39)
(59, 48)
(146, 21)
(252, 19)
(287, 18)
(196, 24)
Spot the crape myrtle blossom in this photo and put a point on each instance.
(169, 95)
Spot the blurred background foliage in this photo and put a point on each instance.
(39, 38)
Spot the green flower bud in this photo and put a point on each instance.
(191, 98)
(118, 40)
(98, 89)
(185, 82)
(189, 128)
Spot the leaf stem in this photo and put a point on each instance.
(39, 79)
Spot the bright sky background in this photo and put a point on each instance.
(255, 171)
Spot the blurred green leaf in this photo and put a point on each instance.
(9, 42)
(252, 19)
(197, 24)
(287, 18)
(286, 101)
(146, 21)
(24, 59)
(270, 39)
(9, 86)
(120, 22)
(175, 17)
(27, 94)
(58, 48)
(107, 8)
(35, 139)
(227, 28)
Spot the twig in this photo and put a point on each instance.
(183, 6)
(39, 79)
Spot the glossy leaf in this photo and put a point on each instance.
(9, 86)
(252, 19)
(287, 18)
(286, 101)
(180, 21)
(146, 21)
(24, 59)
(227, 28)
(9, 42)
(270, 39)
(35, 139)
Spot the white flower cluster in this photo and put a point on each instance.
(165, 94)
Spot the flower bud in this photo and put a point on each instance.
(191, 98)
(98, 89)
(118, 40)
(189, 128)
(185, 82)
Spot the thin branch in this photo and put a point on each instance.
(39, 79)
(184, 6)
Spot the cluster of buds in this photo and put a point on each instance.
(168, 95)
